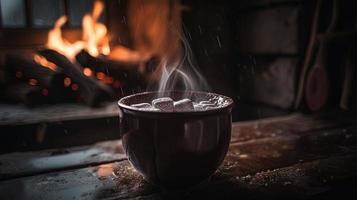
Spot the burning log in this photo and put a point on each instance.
(25, 68)
(104, 64)
(27, 94)
(126, 73)
(91, 91)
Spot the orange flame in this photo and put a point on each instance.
(33, 82)
(67, 82)
(56, 42)
(94, 40)
(95, 33)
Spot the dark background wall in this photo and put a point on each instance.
(250, 50)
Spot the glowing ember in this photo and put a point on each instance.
(105, 170)
(44, 92)
(33, 81)
(44, 62)
(100, 76)
(67, 81)
(87, 71)
(75, 87)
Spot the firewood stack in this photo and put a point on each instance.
(49, 77)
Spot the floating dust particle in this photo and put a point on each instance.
(243, 156)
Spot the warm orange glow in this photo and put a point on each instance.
(108, 80)
(124, 54)
(95, 33)
(67, 81)
(87, 71)
(105, 170)
(100, 76)
(94, 40)
(44, 62)
(56, 42)
(33, 81)
(156, 30)
(75, 87)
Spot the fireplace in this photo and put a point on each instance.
(88, 63)
(88, 54)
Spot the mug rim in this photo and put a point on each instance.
(132, 110)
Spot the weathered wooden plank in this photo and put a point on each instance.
(20, 115)
(18, 164)
(272, 169)
(304, 179)
(116, 179)
(308, 180)
(61, 134)
(21, 164)
(276, 126)
(26, 163)
(56, 126)
(257, 155)
(327, 150)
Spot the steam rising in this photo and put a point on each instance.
(182, 74)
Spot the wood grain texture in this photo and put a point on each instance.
(20, 115)
(310, 158)
(21, 164)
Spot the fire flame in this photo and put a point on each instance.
(155, 28)
(94, 38)
(56, 42)
(94, 33)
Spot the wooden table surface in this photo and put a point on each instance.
(295, 156)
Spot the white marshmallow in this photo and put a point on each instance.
(183, 105)
(141, 105)
(198, 107)
(164, 104)
(201, 107)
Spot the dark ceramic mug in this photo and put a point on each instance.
(175, 149)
